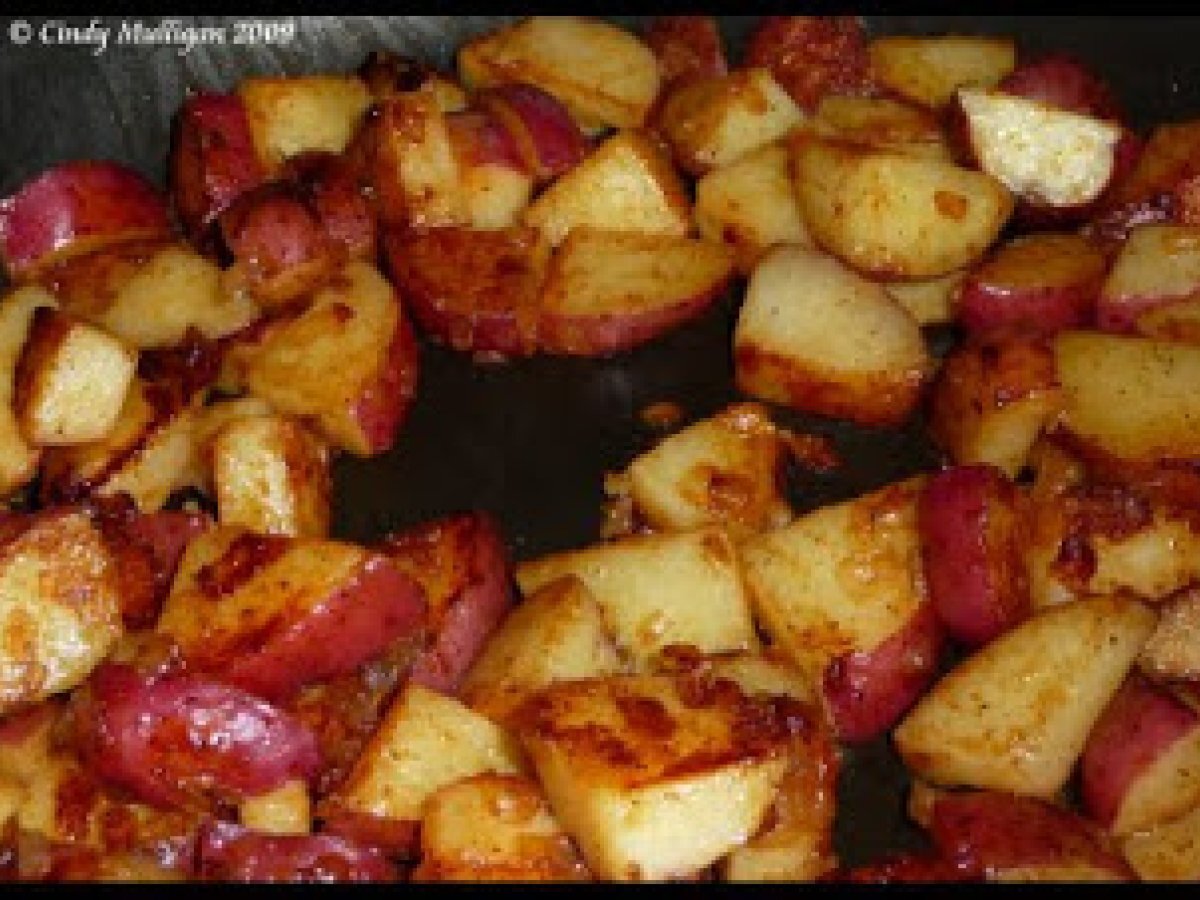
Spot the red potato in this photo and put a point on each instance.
(462, 565)
(332, 188)
(269, 613)
(906, 868)
(1044, 282)
(967, 516)
(608, 291)
(76, 208)
(1141, 764)
(686, 47)
(866, 692)
(1012, 838)
(494, 182)
(213, 160)
(812, 56)
(280, 248)
(474, 290)
(547, 137)
(231, 853)
(1157, 265)
(174, 740)
(414, 169)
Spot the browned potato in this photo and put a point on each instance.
(929, 69)
(882, 124)
(713, 121)
(816, 336)
(894, 215)
(1173, 651)
(18, 457)
(625, 184)
(416, 172)
(605, 75)
(70, 380)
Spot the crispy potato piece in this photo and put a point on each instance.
(425, 742)
(893, 215)
(1014, 715)
(1167, 852)
(812, 56)
(713, 121)
(883, 124)
(557, 633)
(18, 457)
(494, 828)
(723, 470)
(605, 75)
(658, 590)
(750, 205)
(816, 336)
(625, 184)
(1172, 652)
(1157, 264)
(929, 69)
(651, 779)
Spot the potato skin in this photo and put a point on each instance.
(812, 56)
(686, 47)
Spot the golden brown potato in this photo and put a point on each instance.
(605, 75)
(929, 302)
(929, 69)
(893, 215)
(18, 457)
(1173, 651)
(814, 335)
(883, 124)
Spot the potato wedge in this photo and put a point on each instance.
(814, 335)
(18, 457)
(929, 69)
(1014, 716)
(892, 215)
(883, 124)
(1157, 265)
(605, 75)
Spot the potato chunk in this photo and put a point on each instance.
(651, 780)
(929, 69)
(290, 116)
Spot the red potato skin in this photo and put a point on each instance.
(542, 131)
(1139, 724)
(1042, 283)
(355, 624)
(213, 160)
(397, 838)
(1120, 315)
(479, 139)
(605, 334)
(228, 852)
(866, 693)
(991, 832)
(463, 566)
(334, 192)
(908, 868)
(686, 47)
(475, 291)
(970, 548)
(384, 404)
(169, 741)
(812, 56)
(77, 208)
(279, 243)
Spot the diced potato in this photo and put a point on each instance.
(557, 633)
(494, 828)
(724, 470)
(929, 69)
(417, 171)
(1131, 398)
(271, 475)
(650, 782)
(285, 810)
(18, 457)
(714, 121)
(1166, 852)
(70, 381)
(658, 590)
(750, 205)
(814, 335)
(1173, 651)
(290, 116)
(893, 215)
(60, 608)
(883, 124)
(603, 74)
(1014, 715)
(174, 290)
(992, 398)
(425, 742)
(929, 302)
(1157, 265)
(149, 454)
(625, 184)
(840, 579)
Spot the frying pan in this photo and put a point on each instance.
(530, 441)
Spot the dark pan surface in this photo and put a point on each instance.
(531, 441)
